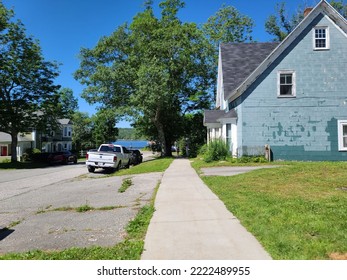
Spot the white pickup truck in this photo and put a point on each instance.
(109, 157)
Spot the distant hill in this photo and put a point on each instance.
(128, 133)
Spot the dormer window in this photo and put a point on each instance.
(67, 132)
(321, 38)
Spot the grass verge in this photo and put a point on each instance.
(126, 183)
(155, 165)
(22, 165)
(297, 211)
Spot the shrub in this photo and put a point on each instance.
(216, 150)
(248, 159)
(203, 149)
(30, 153)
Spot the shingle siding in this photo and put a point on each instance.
(304, 127)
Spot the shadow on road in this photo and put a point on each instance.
(4, 232)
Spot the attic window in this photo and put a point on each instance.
(286, 83)
(321, 38)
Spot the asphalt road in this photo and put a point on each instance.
(34, 205)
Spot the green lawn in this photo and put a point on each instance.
(297, 211)
(155, 165)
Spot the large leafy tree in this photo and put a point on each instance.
(281, 23)
(27, 91)
(155, 69)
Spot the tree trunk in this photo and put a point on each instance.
(161, 136)
(14, 143)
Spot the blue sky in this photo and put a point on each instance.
(63, 27)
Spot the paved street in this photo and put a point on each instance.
(29, 202)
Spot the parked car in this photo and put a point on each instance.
(136, 157)
(62, 157)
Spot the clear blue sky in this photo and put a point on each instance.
(64, 26)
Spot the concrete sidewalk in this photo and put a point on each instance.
(191, 223)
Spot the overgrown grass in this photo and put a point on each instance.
(229, 161)
(297, 211)
(155, 165)
(126, 183)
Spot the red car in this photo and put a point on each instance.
(62, 157)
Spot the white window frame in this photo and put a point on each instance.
(67, 131)
(340, 125)
(327, 38)
(286, 72)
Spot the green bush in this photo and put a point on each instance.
(216, 150)
(29, 154)
(248, 159)
(203, 149)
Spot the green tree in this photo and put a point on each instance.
(281, 24)
(67, 103)
(104, 128)
(340, 6)
(155, 69)
(228, 25)
(5, 16)
(27, 92)
(194, 134)
(82, 131)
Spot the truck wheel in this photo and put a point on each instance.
(91, 169)
(128, 165)
(118, 166)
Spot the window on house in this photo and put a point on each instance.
(321, 38)
(342, 135)
(228, 135)
(286, 84)
(67, 131)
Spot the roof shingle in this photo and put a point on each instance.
(239, 60)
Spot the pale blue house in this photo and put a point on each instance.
(290, 97)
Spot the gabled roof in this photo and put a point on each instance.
(5, 137)
(234, 89)
(239, 60)
(213, 116)
(64, 121)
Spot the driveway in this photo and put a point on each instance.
(39, 207)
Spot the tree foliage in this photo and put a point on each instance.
(82, 131)
(28, 95)
(228, 25)
(281, 23)
(67, 103)
(340, 6)
(104, 128)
